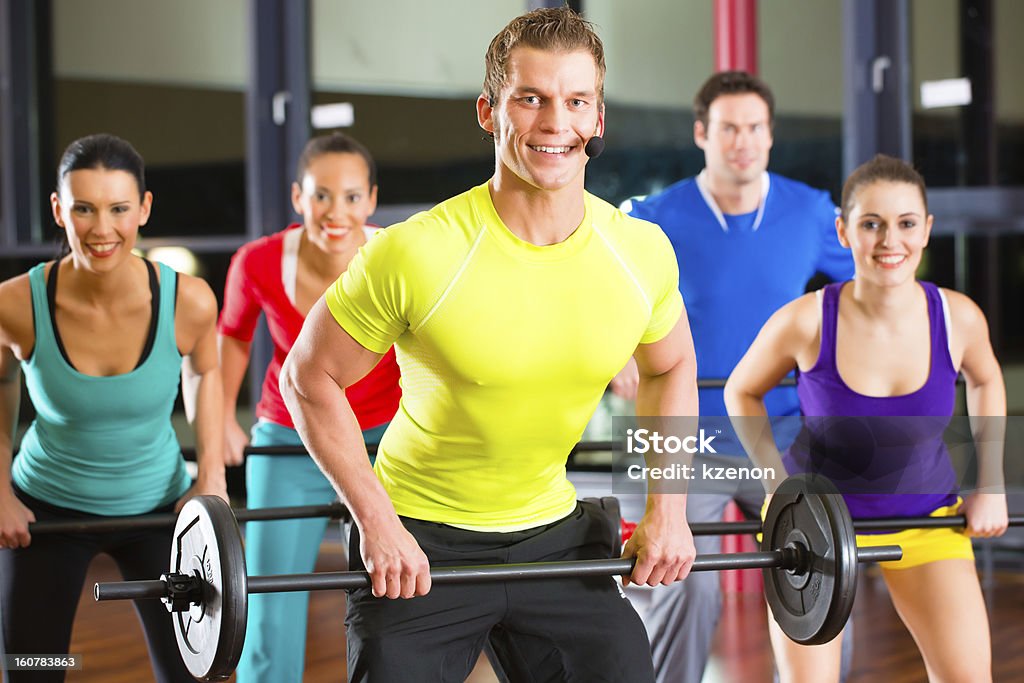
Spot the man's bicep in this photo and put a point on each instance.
(673, 349)
(324, 344)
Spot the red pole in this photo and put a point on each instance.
(736, 50)
(736, 35)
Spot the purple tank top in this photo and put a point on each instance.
(886, 454)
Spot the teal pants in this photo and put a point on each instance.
(275, 640)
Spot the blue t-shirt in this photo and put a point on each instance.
(734, 277)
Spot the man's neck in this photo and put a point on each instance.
(732, 197)
(540, 217)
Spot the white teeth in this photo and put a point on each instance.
(102, 248)
(890, 260)
(337, 232)
(551, 150)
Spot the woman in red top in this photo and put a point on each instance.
(281, 276)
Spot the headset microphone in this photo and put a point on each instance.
(594, 147)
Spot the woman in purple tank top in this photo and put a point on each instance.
(878, 359)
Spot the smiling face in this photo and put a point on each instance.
(887, 228)
(335, 199)
(100, 211)
(737, 138)
(544, 115)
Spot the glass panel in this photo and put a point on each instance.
(171, 80)
(941, 145)
(983, 262)
(658, 53)
(1009, 62)
(806, 76)
(413, 85)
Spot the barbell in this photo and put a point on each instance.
(338, 511)
(808, 555)
(333, 510)
(859, 525)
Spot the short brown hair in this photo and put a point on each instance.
(557, 29)
(882, 168)
(334, 143)
(731, 83)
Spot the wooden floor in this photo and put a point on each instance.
(110, 640)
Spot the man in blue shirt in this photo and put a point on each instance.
(747, 242)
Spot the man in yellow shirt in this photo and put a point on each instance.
(510, 306)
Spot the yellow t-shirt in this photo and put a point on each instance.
(505, 349)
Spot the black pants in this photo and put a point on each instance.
(579, 629)
(40, 586)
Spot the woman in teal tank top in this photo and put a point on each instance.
(103, 338)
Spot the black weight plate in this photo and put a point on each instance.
(207, 543)
(812, 607)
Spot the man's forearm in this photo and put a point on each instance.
(671, 400)
(330, 431)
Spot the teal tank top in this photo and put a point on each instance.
(103, 445)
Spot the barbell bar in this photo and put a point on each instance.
(808, 555)
(788, 558)
(859, 525)
(338, 511)
(335, 510)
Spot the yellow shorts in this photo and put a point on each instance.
(920, 546)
